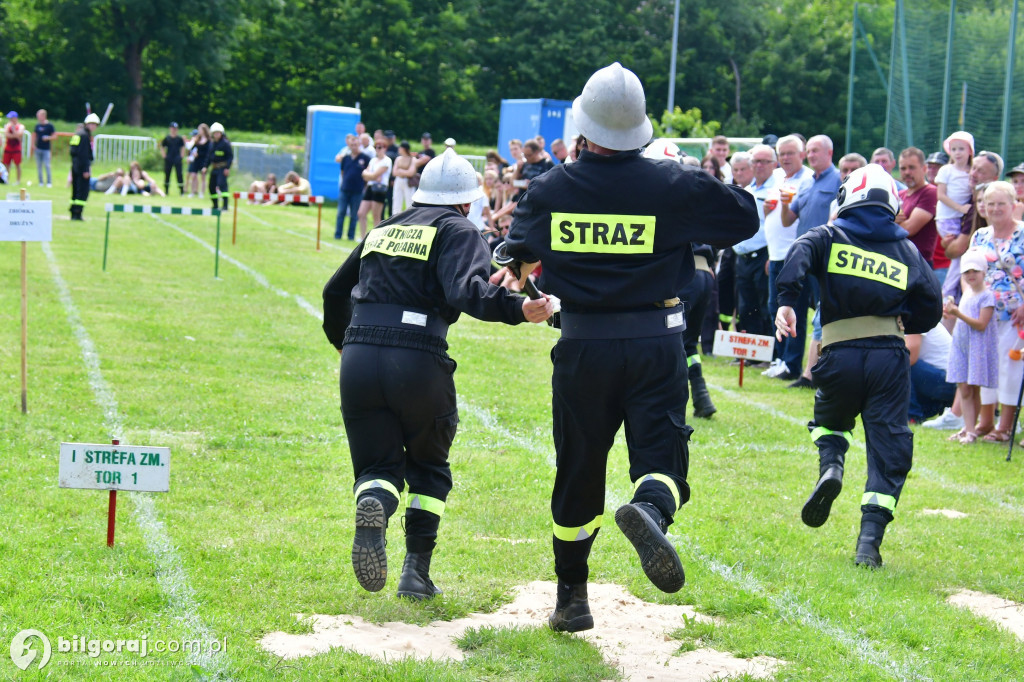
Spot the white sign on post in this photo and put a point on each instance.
(26, 221)
(115, 467)
(744, 346)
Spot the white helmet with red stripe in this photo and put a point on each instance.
(662, 149)
(868, 186)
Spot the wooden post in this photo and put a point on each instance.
(319, 213)
(112, 510)
(234, 222)
(742, 361)
(24, 322)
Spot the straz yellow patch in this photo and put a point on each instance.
(845, 259)
(411, 241)
(602, 233)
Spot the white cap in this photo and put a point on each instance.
(448, 180)
(612, 110)
(217, 128)
(92, 118)
(974, 259)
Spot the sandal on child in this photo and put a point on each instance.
(997, 436)
(968, 438)
(984, 430)
(955, 438)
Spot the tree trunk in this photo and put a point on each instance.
(736, 72)
(133, 65)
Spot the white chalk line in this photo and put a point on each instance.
(169, 571)
(323, 242)
(918, 469)
(487, 419)
(255, 275)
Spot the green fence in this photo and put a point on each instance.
(921, 69)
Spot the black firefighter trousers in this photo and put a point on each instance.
(869, 377)
(597, 385)
(400, 415)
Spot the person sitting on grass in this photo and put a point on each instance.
(268, 186)
(137, 181)
(293, 184)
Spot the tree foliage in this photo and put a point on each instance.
(435, 65)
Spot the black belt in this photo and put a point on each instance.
(629, 325)
(754, 254)
(398, 317)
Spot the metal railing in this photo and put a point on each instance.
(121, 147)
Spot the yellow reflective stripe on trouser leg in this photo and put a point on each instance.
(725, 319)
(378, 483)
(693, 360)
(430, 504)
(660, 478)
(879, 500)
(574, 533)
(820, 431)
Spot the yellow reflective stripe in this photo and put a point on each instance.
(572, 534)
(377, 483)
(820, 431)
(78, 202)
(411, 241)
(879, 500)
(693, 360)
(725, 319)
(660, 478)
(602, 233)
(845, 259)
(430, 504)
(75, 140)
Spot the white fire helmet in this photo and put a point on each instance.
(217, 128)
(448, 180)
(612, 111)
(662, 149)
(92, 118)
(868, 186)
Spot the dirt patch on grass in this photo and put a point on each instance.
(631, 634)
(948, 513)
(1003, 612)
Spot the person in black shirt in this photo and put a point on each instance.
(218, 160)
(387, 310)
(44, 134)
(875, 286)
(614, 232)
(171, 148)
(80, 147)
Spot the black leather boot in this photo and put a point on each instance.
(572, 611)
(644, 526)
(872, 530)
(415, 582)
(703, 408)
(826, 490)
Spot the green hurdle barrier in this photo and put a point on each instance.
(162, 210)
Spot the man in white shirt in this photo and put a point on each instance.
(788, 177)
(930, 393)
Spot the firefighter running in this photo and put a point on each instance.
(875, 286)
(389, 307)
(614, 232)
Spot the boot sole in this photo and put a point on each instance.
(658, 557)
(819, 504)
(418, 596)
(369, 557)
(577, 624)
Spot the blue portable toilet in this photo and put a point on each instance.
(526, 118)
(326, 128)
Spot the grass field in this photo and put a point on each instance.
(236, 377)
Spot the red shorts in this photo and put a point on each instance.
(11, 156)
